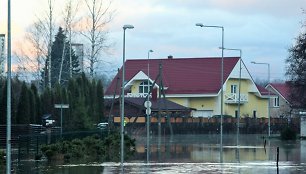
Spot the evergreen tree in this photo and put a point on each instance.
(3, 102)
(46, 102)
(23, 112)
(59, 66)
(36, 110)
(100, 102)
(296, 71)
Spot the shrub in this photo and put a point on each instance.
(288, 134)
(2, 159)
(89, 149)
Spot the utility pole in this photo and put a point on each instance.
(8, 121)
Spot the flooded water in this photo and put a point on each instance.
(196, 154)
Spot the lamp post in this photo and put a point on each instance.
(122, 94)
(239, 89)
(148, 114)
(222, 63)
(269, 119)
(9, 74)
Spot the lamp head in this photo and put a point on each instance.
(151, 51)
(128, 26)
(199, 25)
(253, 62)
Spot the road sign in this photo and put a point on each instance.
(147, 104)
(148, 111)
(64, 106)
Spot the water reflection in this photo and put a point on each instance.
(204, 148)
(197, 154)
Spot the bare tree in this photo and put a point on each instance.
(50, 17)
(94, 29)
(31, 52)
(69, 16)
(38, 44)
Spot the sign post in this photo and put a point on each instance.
(148, 105)
(61, 106)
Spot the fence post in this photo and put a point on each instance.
(19, 149)
(277, 156)
(36, 144)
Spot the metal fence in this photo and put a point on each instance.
(28, 146)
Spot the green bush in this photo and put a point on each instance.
(2, 159)
(288, 134)
(89, 149)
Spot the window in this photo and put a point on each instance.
(276, 102)
(233, 89)
(144, 87)
(254, 114)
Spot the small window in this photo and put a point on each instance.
(233, 89)
(144, 87)
(276, 102)
(254, 114)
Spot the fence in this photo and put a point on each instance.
(191, 125)
(28, 146)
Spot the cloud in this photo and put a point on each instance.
(280, 8)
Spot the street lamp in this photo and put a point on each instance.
(148, 114)
(269, 123)
(222, 49)
(239, 89)
(9, 74)
(122, 94)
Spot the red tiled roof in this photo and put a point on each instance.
(180, 75)
(262, 90)
(164, 104)
(283, 89)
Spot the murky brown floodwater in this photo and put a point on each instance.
(196, 154)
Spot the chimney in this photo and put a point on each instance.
(170, 57)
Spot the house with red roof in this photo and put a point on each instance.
(195, 83)
(280, 105)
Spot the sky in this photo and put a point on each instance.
(263, 30)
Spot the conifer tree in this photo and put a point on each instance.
(60, 70)
(100, 101)
(23, 109)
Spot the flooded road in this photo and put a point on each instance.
(197, 154)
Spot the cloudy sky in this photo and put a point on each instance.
(264, 30)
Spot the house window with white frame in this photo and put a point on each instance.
(233, 89)
(144, 87)
(276, 102)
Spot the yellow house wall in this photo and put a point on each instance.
(254, 103)
(211, 103)
(207, 103)
(181, 101)
(135, 87)
(245, 85)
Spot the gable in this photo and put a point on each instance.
(281, 89)
(245, 75)
(140, 76)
